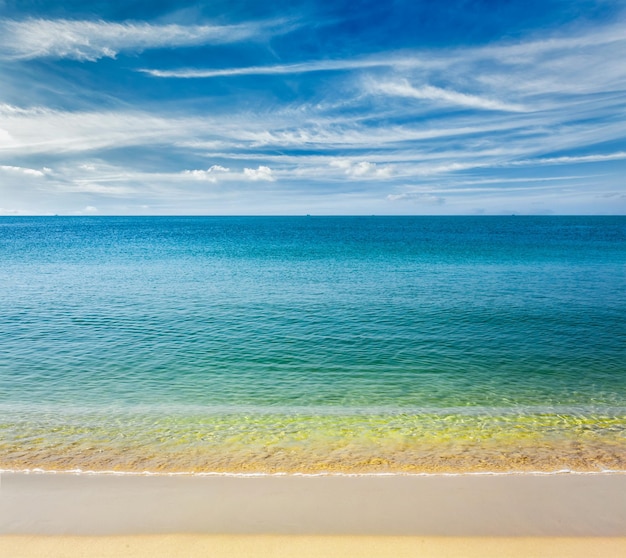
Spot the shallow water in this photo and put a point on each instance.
(313, 344)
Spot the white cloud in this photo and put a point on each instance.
(402, 88)
(279, 69)
(362, 169)
(5, 138)
(24, 170)
(618, 156)
(91, 209)
(90, 40)
(527, 51)
(262, 173)
(210, 174)
(43, 130)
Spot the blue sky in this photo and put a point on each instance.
(327, 107)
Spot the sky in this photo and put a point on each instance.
(327, 107)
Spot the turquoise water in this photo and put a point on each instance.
(313, 343)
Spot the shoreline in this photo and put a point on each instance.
(323, 474)
(315, 444)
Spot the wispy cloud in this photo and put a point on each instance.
(508, 76)
(91, 40)
(282, 69)
(23, 170)
(599, 158)
(43, 130)
(521, 52)
(336, 148)
(403, 88)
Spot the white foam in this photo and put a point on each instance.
(39, 471)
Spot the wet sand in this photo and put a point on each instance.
(71, 515)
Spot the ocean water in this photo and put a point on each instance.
(313, 344)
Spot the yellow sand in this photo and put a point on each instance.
(279, 546)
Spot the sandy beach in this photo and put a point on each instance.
(279, 546)
(65, 514)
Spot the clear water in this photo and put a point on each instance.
(313, 343)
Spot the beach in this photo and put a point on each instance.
(69, 514)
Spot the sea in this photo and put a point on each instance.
(313, 345)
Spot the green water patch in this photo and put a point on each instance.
(269, 443)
